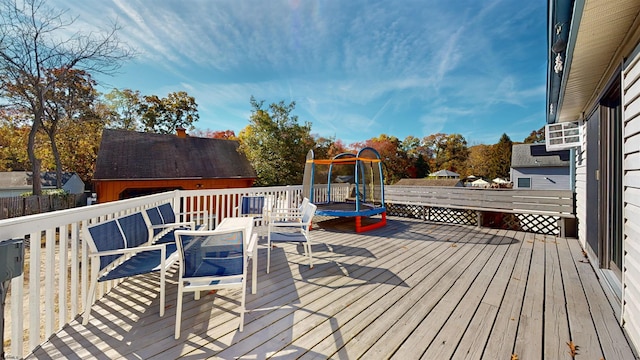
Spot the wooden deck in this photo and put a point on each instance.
(409, 290)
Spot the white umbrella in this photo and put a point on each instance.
(480, 183)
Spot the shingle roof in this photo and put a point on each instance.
(444, 173)
(136, 155)
(536, 155)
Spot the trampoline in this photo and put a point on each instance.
(349, 185)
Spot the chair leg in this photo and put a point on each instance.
(254, 277)
(163, 273)
(242, 303)
(179, 311)
(90, 298)
(268, 250)
(310, 255)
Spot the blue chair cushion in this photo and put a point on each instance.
(135, 229)
(107, 236)
(140, 263)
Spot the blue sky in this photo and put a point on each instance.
(356, 69)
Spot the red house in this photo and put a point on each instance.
(133, 164)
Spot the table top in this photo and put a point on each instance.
(245, 222)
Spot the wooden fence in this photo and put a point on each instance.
(11, 207)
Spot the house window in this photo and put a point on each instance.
(524, 182)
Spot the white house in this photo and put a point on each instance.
(533, 167)
(593, 107)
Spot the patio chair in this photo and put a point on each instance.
(301, 224)
(164, 222)
(254, 206)
(281, 214)
(211, 259)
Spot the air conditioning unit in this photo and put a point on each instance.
(564, 135)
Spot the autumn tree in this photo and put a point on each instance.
(69, 100)
(450, 152)
(275, 144)
(13, 142)
(536, 136)
(418, 155)
(164, 115)
(478, 161)
(394, 159)
(328, 148)
(500, 159)
(217, 134)
(33, 39)
(79, 143)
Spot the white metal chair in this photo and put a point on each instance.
(254, 206)
(302, 222)
(281, 214)
(211, 259)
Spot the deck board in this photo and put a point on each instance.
(500, 344)
(556, 327)
(611, 341)
(410, 289)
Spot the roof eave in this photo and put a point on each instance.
(567, 14)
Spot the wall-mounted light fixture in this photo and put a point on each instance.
(558, 47)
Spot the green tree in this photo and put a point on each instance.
(164, 115)
(33, 39)
(422, 167)
(275, 144)
(124, 108)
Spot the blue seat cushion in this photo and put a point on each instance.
(140, 263)
(287, 237)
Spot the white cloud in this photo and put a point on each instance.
(351, 66)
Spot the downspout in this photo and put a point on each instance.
(572, 172)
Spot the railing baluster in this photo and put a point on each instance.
(49, 280)
(17, 311)
(63, 234)
(74, 268)
(34, 289)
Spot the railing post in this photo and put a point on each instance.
(479, 218)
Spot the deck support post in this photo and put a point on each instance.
(479, 218)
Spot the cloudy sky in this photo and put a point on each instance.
(355, 69)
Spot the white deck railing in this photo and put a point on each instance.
(43, 304)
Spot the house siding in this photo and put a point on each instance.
(581, 191)
(111, 190)
(548, 178)
(631, 196)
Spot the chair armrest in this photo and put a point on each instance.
(291, 224)
(132, 250)
(190, 224)
(253, 242)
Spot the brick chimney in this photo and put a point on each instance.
(181, 132)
